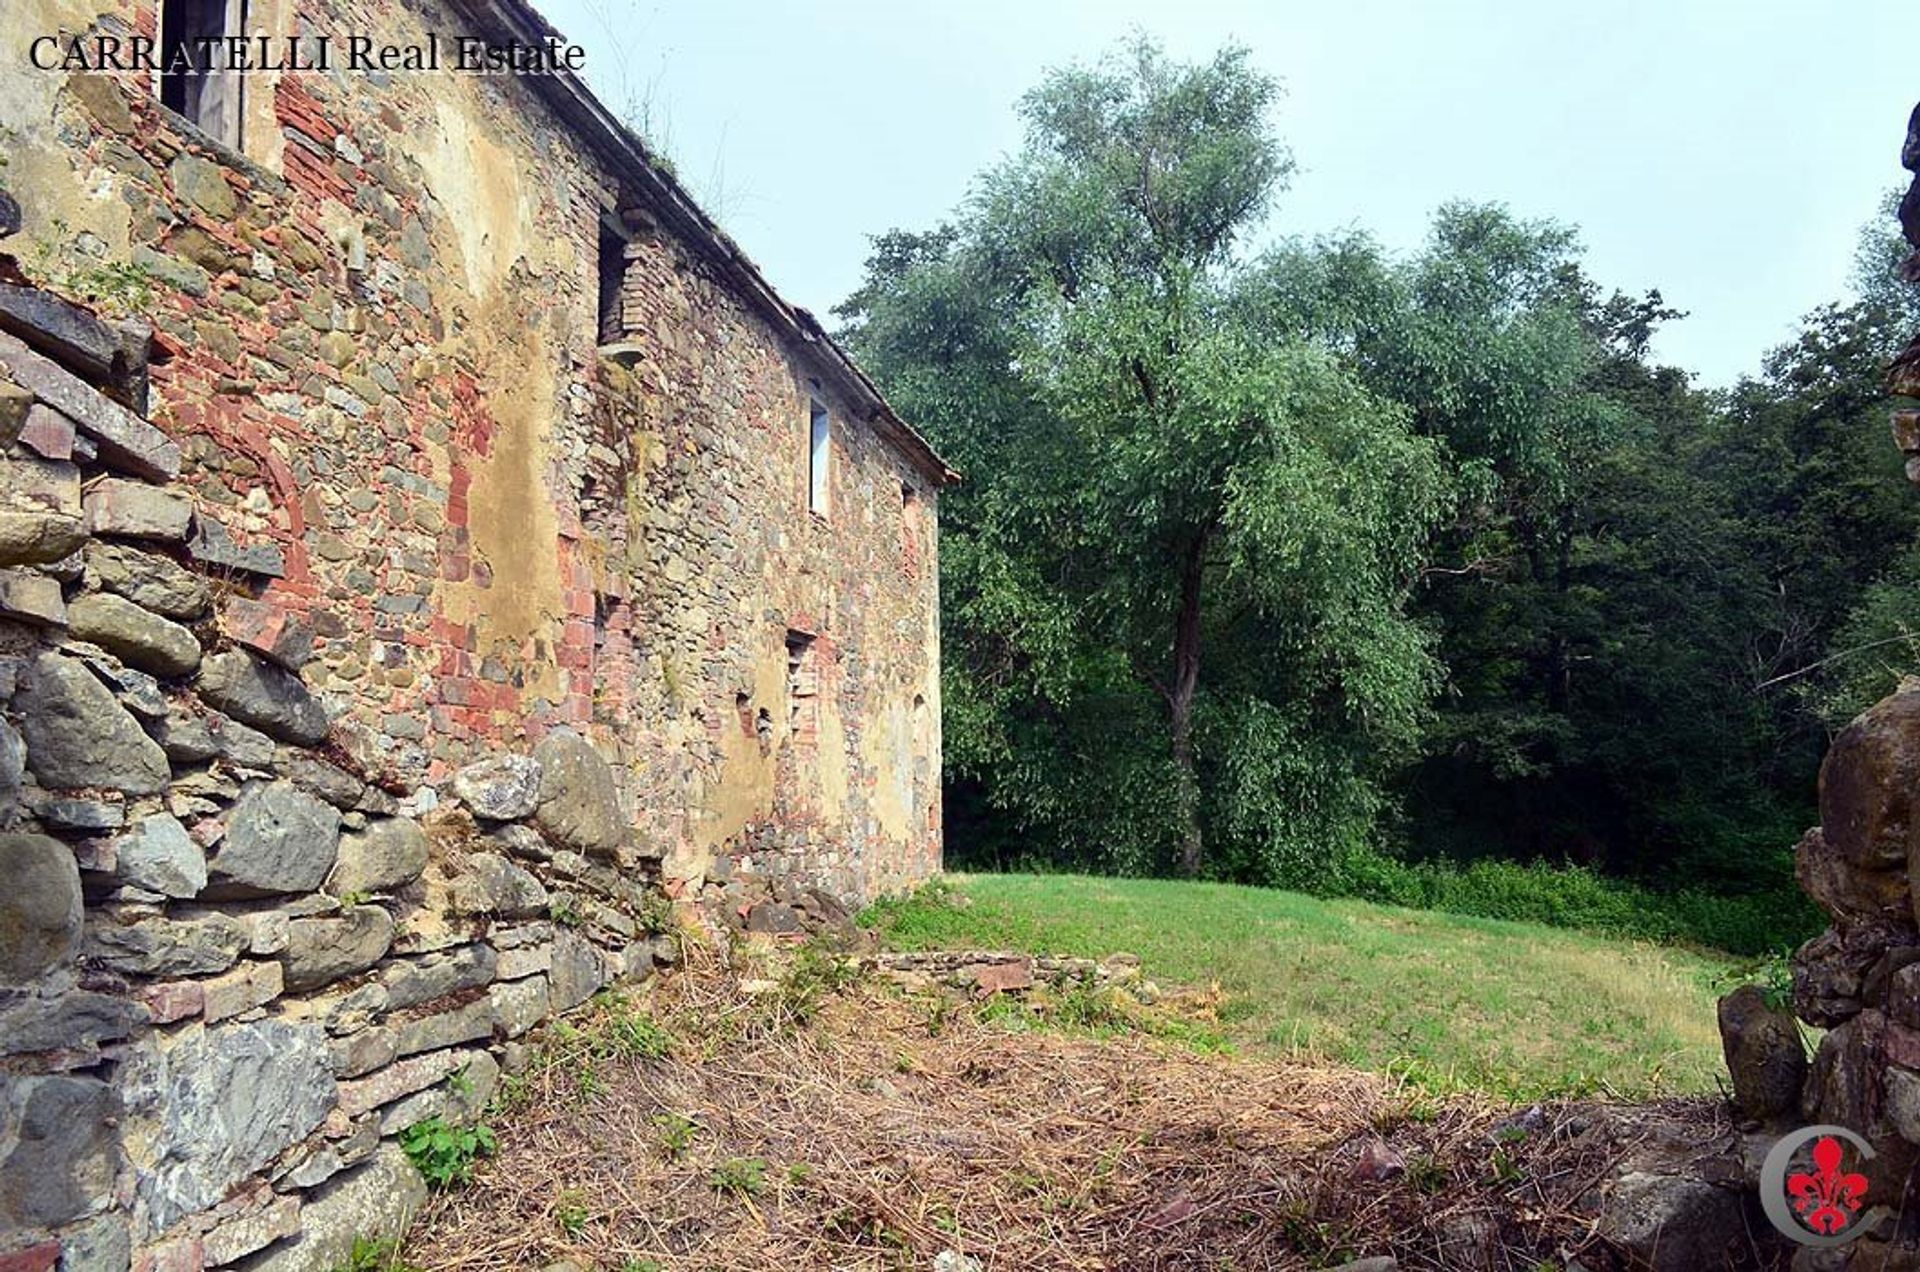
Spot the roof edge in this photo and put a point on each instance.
(577, 105)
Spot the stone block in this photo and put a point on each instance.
(374, 1201)
(100, 1244)
(388, 854)
(1763, 1052)
(157, 855)
(183, 1254)
(413, 1110)
(230, 1099)
(16, 408)
(268, 630)
(77, 735)
(136, 510)
(247, 986)
(255, 1230)
(61, 329)
(138, 636)
(322, 950)
(530, 960)
(40, 907)
(47, 433)
(279, 839)
(43, 1256)
(1867, 782)
(211, 545)
(579, 807)
(578, 971)
(504, 788)
(148, 579)
(264, 695)
(465, 1023)
(166, 947)
(31, 484)
(358, 1054)
(89, 815)
(39, 538)
(410, 982)
(520, 1005)
(490, 884)
(76, 1023)
(124, 440)
(59, 1161)
(323, 778)
(399, 1079)
(172, 1001)
(246, 747)
(32, 598)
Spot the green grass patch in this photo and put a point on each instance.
(1450, 1002)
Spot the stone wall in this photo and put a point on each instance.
(379, 351)
(235, 963)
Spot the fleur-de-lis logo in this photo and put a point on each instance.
(1827, 1198)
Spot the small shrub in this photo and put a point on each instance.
(674, 1133)
(571, 1213)
(446, 1154)
(635, 1035)
(740, 1176)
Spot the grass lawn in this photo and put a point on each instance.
(1514, 1010)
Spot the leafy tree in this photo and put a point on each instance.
(1177, 526)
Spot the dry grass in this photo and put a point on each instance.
(854, 1126)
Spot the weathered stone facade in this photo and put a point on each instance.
(382, 640)
(381, 354)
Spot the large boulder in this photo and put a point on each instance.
(79, 735)
(1764, 1054)
(1867, 783)
(40, 907)
(1675, 1223)
(264, 695)
(226, 1101)
(579, 807)
(138, 637)
(388, 854)
(279, 839)
(323, 950)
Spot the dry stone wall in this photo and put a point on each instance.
(234, 963)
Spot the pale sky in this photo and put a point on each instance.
(1724, 151)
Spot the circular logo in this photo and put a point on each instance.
(1818, 1207)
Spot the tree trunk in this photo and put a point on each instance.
(1180, 694)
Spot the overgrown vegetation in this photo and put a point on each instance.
(1445, 1003)
(446, 1153)
(1363, 574)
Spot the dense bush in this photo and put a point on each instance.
(1573, 897)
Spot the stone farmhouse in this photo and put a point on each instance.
(427, 545)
